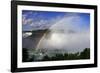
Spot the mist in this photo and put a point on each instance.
(66, 34)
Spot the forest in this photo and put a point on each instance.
(85, 54)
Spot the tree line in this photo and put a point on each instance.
(85, 54)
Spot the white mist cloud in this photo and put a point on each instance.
(74, 37)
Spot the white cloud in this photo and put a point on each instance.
(24, 35)
(37, 22)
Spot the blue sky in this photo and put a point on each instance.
(33, 20)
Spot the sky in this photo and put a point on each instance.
(34, 20)
(75, 26)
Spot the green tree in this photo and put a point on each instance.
(24, 55)
(46, 58)
(85, 54)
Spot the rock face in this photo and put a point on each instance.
(32, 41)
